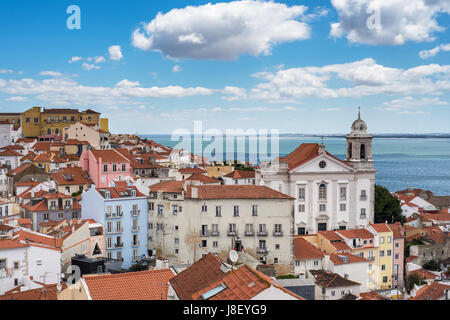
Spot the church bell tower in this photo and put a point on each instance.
(359, 146)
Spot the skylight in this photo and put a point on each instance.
(213, 292)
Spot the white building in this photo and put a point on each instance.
(239, 177)
(188, 221)
(6, 133)
(330, 193)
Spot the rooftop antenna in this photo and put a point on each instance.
(359, 113)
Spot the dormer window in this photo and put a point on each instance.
(107, 194)
(133, 193)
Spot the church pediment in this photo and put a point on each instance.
(324, 163)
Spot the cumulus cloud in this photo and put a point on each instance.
(115, 53)
(51, 73)
(223, 31)
(176, 68)
(425, 54)
(349, 80)
(64, 91)
(89, 66)
(409, 104)
(393, 22)
(17, 99)
(75, 59)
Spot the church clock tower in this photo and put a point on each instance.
(359, 146)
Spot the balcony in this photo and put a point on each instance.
(262, 233)
(215, 233)
(262, 251)
(278, 233)
(249, 233)
(135, 228)
(119, 214)
(232, 233)
(371, 258)
(135, 213)
(118, 245)
(136, 244)
(204, 233)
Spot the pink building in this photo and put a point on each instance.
(105, 166)
(398, 255)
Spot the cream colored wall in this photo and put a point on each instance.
(85, 134)
(76, 243)
(73, 292)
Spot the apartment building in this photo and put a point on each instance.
(123, 210)
(186, 222)
(90, 132)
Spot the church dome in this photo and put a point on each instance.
(359, 125)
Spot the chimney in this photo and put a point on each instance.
(32, 194)
(194, 193)
(73, 228)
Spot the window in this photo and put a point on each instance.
(381, 240)
(105, 168)
(383, 267)
(204, 208)
(363, 195)
(114, 168)
(333, 293)
(275, 260)
(277, 229)
(389, 253)
(322, 227)
(176, 251)
(254, 210)
(385, 279)
(370, 267)
(152, 206)
(342, 293)
(27, 120)
(36, 120)
(236, 211)
(218, 211)
(175, 210)
(322, 207)
(323, 192)
(109, 242)
(301, 194)
(39, 262)
(204, 243)
(118, 226)
(316, 262)
(177, 241)
(363, 213)
(16, 265)
(363, 151)
(301, 208)
(215, 244)
(389, 239)
(277, 247)
(396, 244)
(397, 256)
(46, 217)
(60, 215)
(343, 193)
(124, 167)
(301, 231)
(160, 209)
(322, 164)
(342, 207)
(382, 253)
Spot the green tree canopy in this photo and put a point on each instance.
(414, 279)
(387, 207)
(432, 265)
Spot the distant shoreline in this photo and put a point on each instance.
(341, 136)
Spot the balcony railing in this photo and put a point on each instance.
(262, 233)
(215, 233)
(135, 228)
(249, 233)
(118, 245)
(204, 233)
(262, 251)
(135, 213)
(232, 233)
(278, 233)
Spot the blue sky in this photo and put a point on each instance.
(296, 66)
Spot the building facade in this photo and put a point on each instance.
(329, 193)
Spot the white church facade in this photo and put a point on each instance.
(329, 193)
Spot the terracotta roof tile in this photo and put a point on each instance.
(50, 293)
(110, 156)
(329, 279)
(168, 186)
(240, 174)
(11, 244)
(202, 178)
(141, 285)
(304, 250)
(351, 258)
(431, 291)
(191, 170)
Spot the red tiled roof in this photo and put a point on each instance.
(331, 235)
(431, 291)
(168, 186)
(334, 257)
(372, 295)
(10, 153)
(201, 274)
(11, 244)
(341, 246)
(40, 240)
(235, 192)
(202, 178)
(424, 274)
(110, 156)
(437, 216)
(71, 176)
(19, 169)
(304, 250)
(141, 285)
(191, 170)
(50, 293)
(42, 146)
(381, 227)
(411, 258)
(240, 174)
(329, 279)
(356, 234)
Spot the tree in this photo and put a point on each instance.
(387, 207)
(414, 279)
(140, 265)
(432, 265)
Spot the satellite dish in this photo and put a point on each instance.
(234, 256)
(59, 286)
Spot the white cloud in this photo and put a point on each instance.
(115, 53)
(89, 66)
(222, 31)
(99, 59)
(393, 22)
(75, 59)
(425, 54)
(17, 99)
(356, 79)
(63, 91)
(176, 68)
(409, 105)
(6, 71)
(51, 73)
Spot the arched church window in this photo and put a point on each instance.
(363, 151)
(323, 192)
(350, 146)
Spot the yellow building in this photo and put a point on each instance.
(384, 239)
(218, 171)
(13, 118)
(37, 122)
(104, 124)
